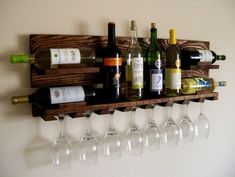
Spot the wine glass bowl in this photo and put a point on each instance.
(151, 134)
(170, 132)
(202, 125)
(88, 149)
(112, 142)
(134, 138)
(186, 128)
(62, 149)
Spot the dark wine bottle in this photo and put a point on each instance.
(172, 70)
(191, 56)
(154, 76)
(54, 58)
(112, 67)
(50, 97)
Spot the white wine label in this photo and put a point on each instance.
(156, 80)
(137, 73)
(65, 56)
(205, 56)
(173, 78)
(67, 94)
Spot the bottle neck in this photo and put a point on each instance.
(134, 40)
(111, 34)
(20, 99)
(153, 39)
(220, 57)
(172, 37)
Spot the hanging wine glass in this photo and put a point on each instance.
(112, 141)
(170, 131)
(202, 126)
(62, 149)
(88, 145)
(151, 134)
(186, 127)
(134, 137)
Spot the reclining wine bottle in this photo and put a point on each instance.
(194, 56)
(193, 85)
(53, 58)
(50, 97)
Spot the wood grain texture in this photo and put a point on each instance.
(78, 109)
(84, 75)
(80, 76)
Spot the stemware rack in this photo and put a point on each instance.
(90, 75)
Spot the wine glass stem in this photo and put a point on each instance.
(61, 119)
(201, 107)
(132, 117)
(151, 114)
(88, 124)
(170, 115)
(186, 111)
(111, 121)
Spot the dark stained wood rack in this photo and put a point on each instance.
(90, 75)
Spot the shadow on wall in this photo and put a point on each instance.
(39, 150)
(16, 76)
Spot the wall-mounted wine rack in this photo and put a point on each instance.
(90, 75)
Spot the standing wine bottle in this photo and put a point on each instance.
(54, 58)
(193, 85)
(153, 69)
(191, 56)
(49, 97)
(172, 70)
(112, 66)
(134, 67)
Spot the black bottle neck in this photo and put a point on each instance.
(111, 34)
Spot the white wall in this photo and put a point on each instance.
(25, 141)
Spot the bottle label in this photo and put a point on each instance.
(156, 80)
(67, 94)
(112, 61)
(205, 56)
(202, 83)
(194, 84)
(173, 78)
(137, 73)
(65, 56)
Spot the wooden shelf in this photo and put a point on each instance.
(91, 75)
(78, 109)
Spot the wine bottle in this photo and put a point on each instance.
(134, 67)
(153, 69)
(193, 85)
(190, 56)
(112, 67)
(54, 58)
(49, 97)
(172, 69)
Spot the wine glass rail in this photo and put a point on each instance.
(90, 75)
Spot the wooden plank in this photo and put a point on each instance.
(77, 109)
(81, 76)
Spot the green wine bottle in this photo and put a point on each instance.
(153, 69)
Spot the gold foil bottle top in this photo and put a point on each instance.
(172, 36)
(19, 99)
(133, 25)
(153, 25)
